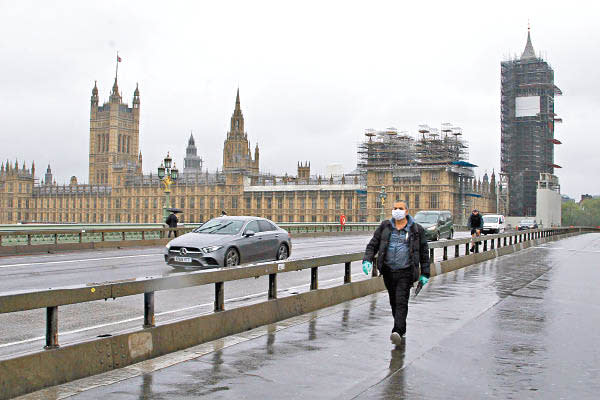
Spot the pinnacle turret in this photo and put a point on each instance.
(528, 53)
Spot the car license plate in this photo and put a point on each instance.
(183, 259)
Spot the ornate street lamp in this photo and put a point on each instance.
(382, 196)
(167, 176)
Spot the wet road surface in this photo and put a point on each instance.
(24, 331)
(519, 326)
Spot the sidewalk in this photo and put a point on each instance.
(519, 326)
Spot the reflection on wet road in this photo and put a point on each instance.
(519, 326)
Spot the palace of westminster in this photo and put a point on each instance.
(120, 192)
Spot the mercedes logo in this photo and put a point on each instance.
(183, 251)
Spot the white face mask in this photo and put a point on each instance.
(398, 214)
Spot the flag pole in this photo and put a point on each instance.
(117, 68)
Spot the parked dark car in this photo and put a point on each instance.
(229, 241)
(525, 224)
(437, 224)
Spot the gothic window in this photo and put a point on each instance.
(291, 204)
(434, 200)
(337, 203)
(119, 144)
(314, 204)
(325, 204)
(234, 203)
(128, 144)
(280, 203)
(349, 203)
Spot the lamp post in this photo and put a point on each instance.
(167, 176)
(382, 196)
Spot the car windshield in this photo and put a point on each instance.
(490, 220)
(221, 226)
(426, 218)
(527, 221)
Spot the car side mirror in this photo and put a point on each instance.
(249, 233)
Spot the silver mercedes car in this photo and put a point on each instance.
(229, 241)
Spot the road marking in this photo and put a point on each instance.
(76, 261)
(247, 297)
(299, 245)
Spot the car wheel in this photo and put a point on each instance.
(232, 258)
(282, 252)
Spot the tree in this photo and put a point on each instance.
(585, 214)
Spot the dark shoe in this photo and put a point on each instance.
(472, 249)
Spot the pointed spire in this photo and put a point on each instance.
(528, 53)
(95, 89)
(237, 100)
(137, 90)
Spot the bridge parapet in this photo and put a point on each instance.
(25, 239)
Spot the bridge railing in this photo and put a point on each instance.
(52, 298)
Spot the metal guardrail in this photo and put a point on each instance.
(51, 299)
(79, 234)
(56, 236)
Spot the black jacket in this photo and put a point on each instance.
(417, 244)
(475, 221)
(172, 221)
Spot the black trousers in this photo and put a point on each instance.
(398, 284)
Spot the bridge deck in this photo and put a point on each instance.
(519, 326)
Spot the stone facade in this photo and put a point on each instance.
(120, 193)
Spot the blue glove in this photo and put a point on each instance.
(367, 267)
(423, 279)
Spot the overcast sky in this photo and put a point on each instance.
(313, 75)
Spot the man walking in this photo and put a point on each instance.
(172, 223)
(476, 225)
(402, 258)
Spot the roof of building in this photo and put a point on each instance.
(528, 53)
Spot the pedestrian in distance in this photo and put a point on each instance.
(172, 223)
(402, 254)
(223, 213)
(476, 225)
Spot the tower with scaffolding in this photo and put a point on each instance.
(527, 129)
(429, 170)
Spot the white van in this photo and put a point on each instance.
(493, 223)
